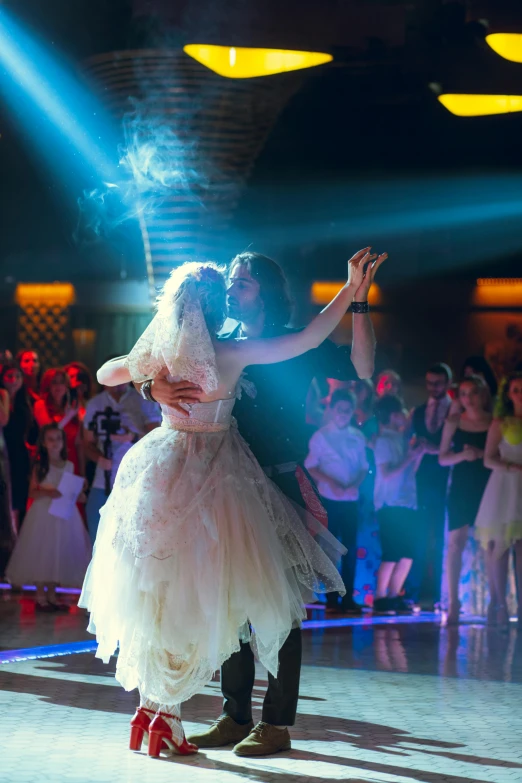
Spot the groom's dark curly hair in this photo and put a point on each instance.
(273, 287)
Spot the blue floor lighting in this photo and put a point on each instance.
(49, 651)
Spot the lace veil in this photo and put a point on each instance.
(177, 337)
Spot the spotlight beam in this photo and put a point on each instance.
(481, 213)
(57, 111)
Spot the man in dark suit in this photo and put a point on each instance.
(274, 425)
(424, 581)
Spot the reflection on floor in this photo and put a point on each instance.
(387, 702)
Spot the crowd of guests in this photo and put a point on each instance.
(54, 423)
(457, 458)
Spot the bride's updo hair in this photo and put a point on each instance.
(210, 285)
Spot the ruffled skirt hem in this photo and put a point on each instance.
(197, 550)
(502, 537)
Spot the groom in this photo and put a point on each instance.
(273, 424)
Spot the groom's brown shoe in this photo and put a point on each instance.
(264, 740)
(224, 731)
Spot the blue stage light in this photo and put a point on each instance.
(66, 590)
(49, 651)
(55, 109)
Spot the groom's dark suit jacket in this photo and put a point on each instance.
(274, 422)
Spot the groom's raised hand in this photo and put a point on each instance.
(173, 393)
(357, 266)
(371, 265)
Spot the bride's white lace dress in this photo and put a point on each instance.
(197, 549)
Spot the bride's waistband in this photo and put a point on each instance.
(193, 425)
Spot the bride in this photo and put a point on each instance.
(197, 549)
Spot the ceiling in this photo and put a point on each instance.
(362, 137)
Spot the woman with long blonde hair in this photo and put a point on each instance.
(499, 520)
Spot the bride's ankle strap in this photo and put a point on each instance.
(166, 715)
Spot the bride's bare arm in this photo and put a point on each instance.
(279, 349)
(170, 393)
(114, 372)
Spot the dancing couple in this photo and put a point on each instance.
(203, 557)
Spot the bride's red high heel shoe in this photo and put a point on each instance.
(160, 734)
(140, 723)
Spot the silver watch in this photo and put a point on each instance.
(145, 391)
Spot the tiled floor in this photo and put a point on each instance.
(389, 703)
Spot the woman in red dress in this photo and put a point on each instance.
(55, 407)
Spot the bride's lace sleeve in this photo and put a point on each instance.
(140, 362)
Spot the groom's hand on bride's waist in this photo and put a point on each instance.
(173, 393)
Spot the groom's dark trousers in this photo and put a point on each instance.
(273, 424)
(238, 672)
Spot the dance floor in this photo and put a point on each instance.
(389, 700)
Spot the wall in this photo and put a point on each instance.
(437, 320)
(426, 321)
(105, 319)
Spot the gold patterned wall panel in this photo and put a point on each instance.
(43, 319)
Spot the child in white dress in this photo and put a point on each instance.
(50, 551)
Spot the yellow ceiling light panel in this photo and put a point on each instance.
(62, 294)
(464, 105)
(498, 292)
(507, 45)
(324, 291)
(505, 282)
(239, 62)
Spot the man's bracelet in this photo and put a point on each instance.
(360, 307)
(146, 393)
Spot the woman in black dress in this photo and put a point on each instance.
(29, 363)
(462, 447)
(15, 435)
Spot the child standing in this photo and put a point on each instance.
(337, 462)
(395, 502)
(50, 550)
